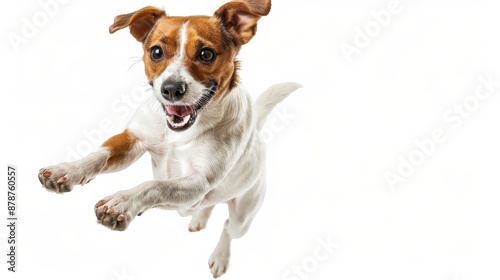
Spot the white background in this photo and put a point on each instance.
(352, 123)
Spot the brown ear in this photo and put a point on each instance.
(240, 17)
(139, 22)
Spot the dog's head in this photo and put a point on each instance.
(191, 61)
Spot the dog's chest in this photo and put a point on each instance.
(174, 161)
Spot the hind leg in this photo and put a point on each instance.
(200, 219)
(242, 210)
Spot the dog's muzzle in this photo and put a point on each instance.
(182, 117)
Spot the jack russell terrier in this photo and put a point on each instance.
(200, 127)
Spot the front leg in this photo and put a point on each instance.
(115, 154)
(62, 177)
(118, 210)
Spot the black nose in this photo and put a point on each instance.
(173, 90)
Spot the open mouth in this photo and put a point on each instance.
(181, 117)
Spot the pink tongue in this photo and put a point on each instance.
(180, 111)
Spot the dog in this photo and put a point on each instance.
(200, 127)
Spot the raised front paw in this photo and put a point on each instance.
(62, 177)
(116, 211)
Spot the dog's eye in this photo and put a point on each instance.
(156, 53)
(207, 55)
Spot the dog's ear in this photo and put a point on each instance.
(139, 22)
(240, 17)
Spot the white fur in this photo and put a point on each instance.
(193, 170)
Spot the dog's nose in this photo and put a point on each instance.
(173, 90)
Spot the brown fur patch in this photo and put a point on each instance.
(139, 22)
(164, 35)
(119, 146)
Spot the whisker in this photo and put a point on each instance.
(134, 63)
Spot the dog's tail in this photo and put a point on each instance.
(266, 102)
